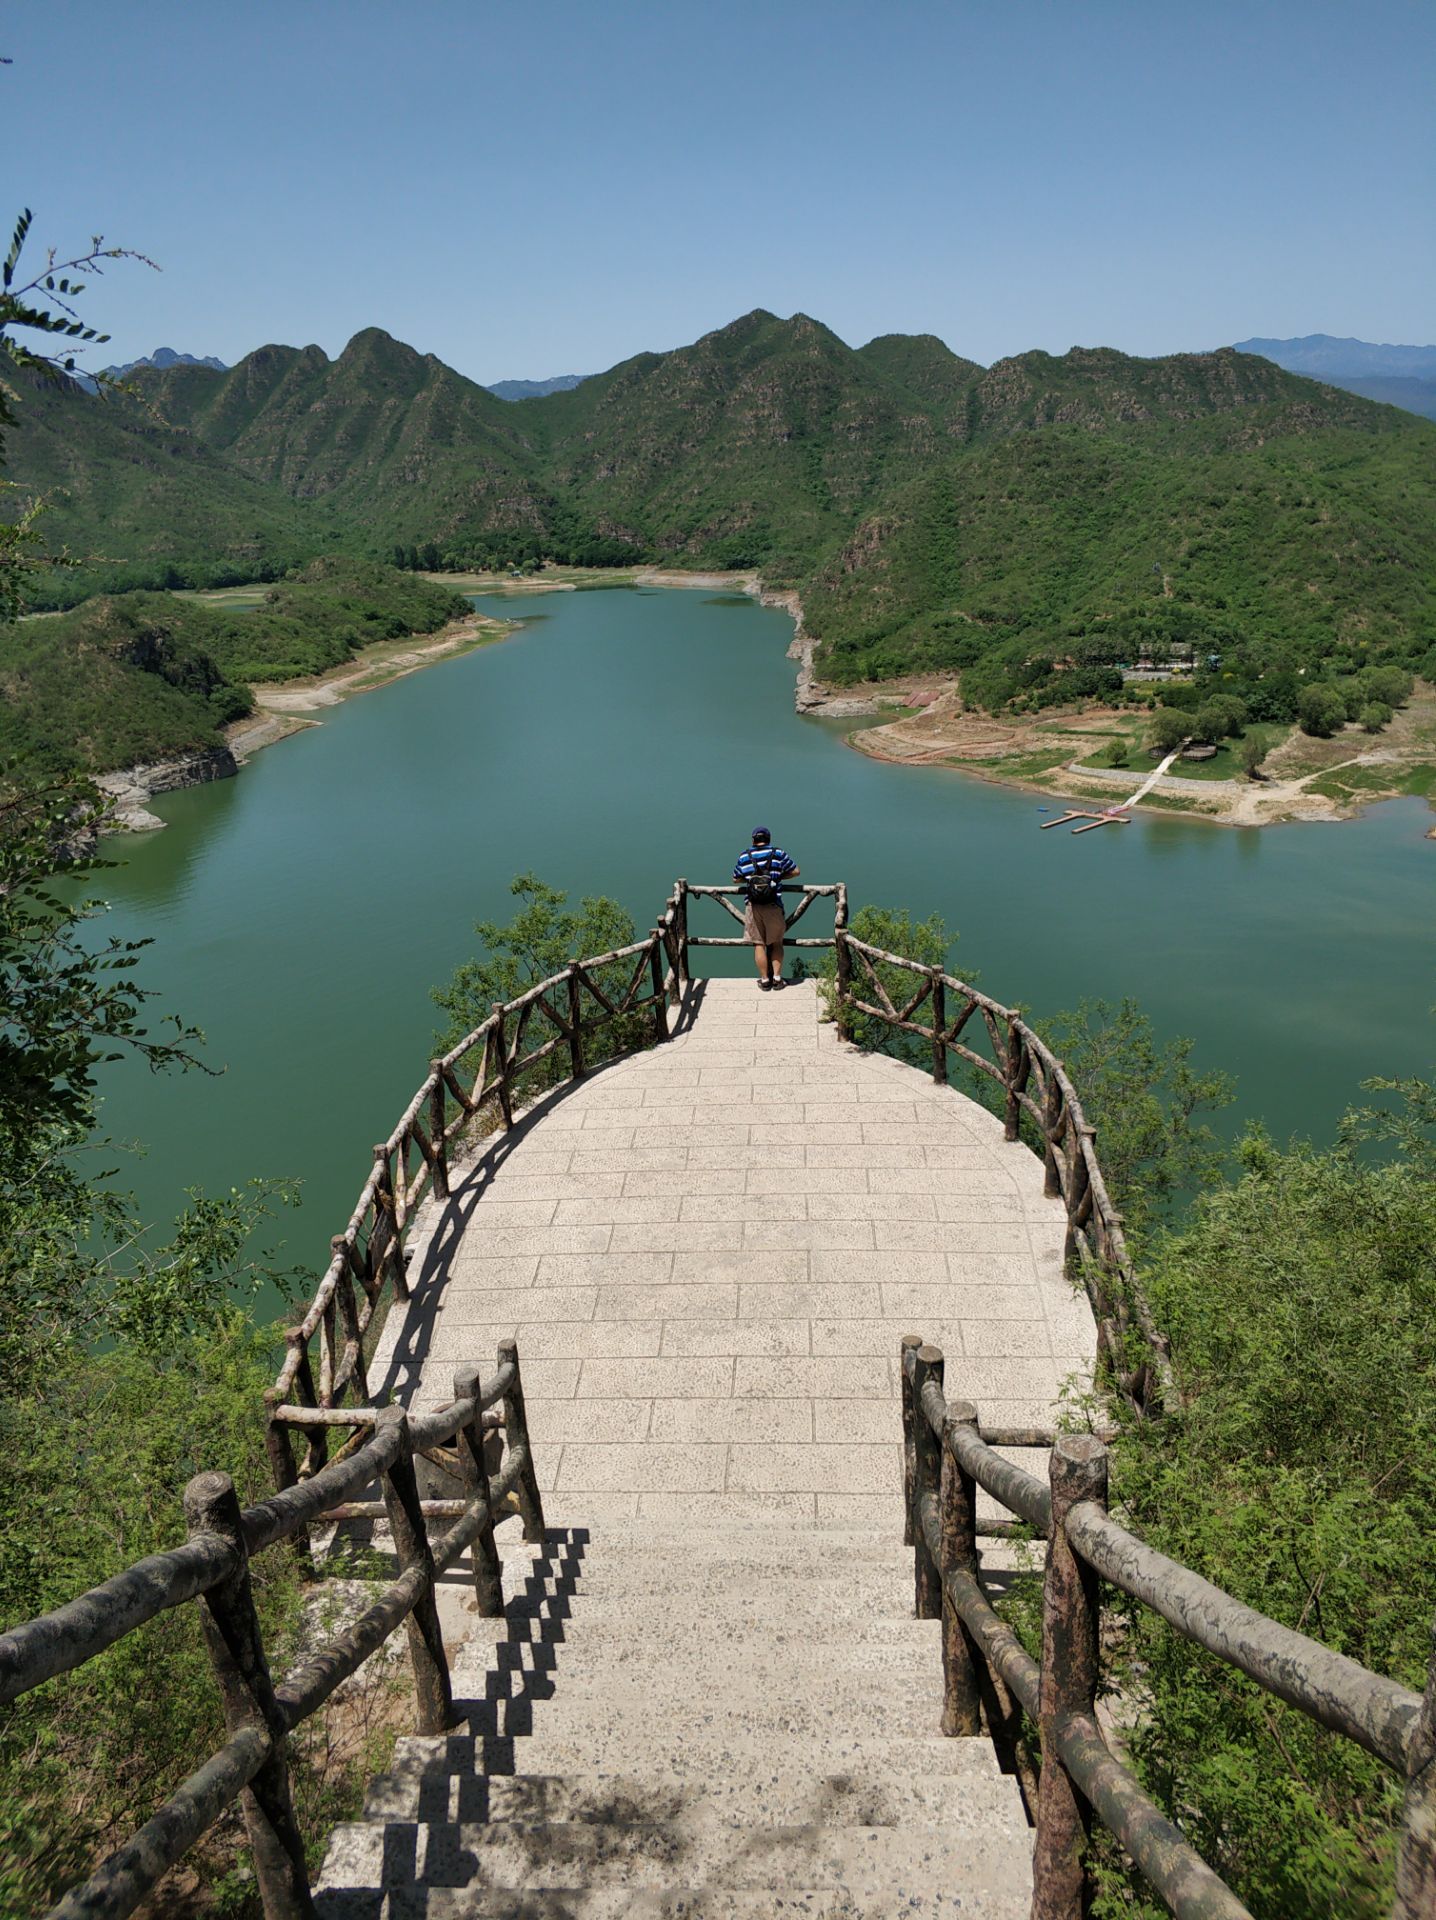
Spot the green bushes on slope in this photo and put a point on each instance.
(136, 677)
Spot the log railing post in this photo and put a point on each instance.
(283, 1469)
(1416, 1862)
(1079, 1182)
(501, 1052)
(349, 1314)
(575, 1022)
(1051, 1129)
(1013, 1079)
(939, 1027)
(1071, 1604)
(236, 1651)
(927, 1473)
(957, 1503)
(681, 923)
(411, 1546)
(660, 998)
(469, 1444)
(844, 976)
(436, 1132)
(910, 1343)
(516, 1433)
(385, 1203)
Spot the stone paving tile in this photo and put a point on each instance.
(592, 1269)
(730, 1510)
(817, 1469)
(854, 1422)
(766, 1421)
(657, 1379)
(737, 1263)
(682, 1236)
(819, 1236)
(625, 1209)
(489, 1305)
(709, 1254)
(648, 1464)
(625, 1159)
(866, 1376)
(554, 1422)
(696, 1302)
(807, 1299)
(580, 1339)
(914, 1305)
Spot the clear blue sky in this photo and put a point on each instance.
(547, 188)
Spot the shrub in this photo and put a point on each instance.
(1374, 716)
(1321, 710)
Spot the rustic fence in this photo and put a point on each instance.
(482, 1080)
(990, 1680)
(213, 1566)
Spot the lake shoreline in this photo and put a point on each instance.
(284, 708)
(293, 706)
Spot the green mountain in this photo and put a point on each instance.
(392, 442)
(1104, 504)
(146, 503)
(932, 511)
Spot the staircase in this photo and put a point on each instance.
(717, 1725)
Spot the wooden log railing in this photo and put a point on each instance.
(1035, 1088)
(986, 1670)
(213, 1567)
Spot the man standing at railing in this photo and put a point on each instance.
(760, 872)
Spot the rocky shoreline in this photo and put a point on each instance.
(131, 789)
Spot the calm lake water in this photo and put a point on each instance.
(302, 912)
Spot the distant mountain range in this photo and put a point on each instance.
(536, 389)
(163, 357)
(929, 510)
(1398, 376)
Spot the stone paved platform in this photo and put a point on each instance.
(709, 1253)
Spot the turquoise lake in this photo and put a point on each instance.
(301, 913)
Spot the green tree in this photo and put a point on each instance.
(1300, 1478)
(927, 942)
(40, 309)
(1251, 751)
(1321, 709)
(1148, 1103)
(1374, 716)
(1168, 728)
(540, 941)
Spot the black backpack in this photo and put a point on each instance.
(762, 887)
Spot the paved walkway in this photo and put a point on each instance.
(709, 1253)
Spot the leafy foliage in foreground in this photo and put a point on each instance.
(1300, 1478)
(540, 941)
(124, 1370)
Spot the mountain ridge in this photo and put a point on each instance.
(916, 499)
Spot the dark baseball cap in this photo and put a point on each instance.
(761, 833)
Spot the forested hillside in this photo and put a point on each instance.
(135, 677)
(935, 514)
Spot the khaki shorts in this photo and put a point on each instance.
(764, 924)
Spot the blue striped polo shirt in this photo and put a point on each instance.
(781, 865)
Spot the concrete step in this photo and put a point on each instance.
(736, 1624)
(713, 1662)
(422, 1789)
(674, 1903)
(700, 1754)
(750, 1710)
(624, 1536)
(645, 1573)
(865, 1861)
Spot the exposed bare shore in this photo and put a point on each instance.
(1303, 779)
